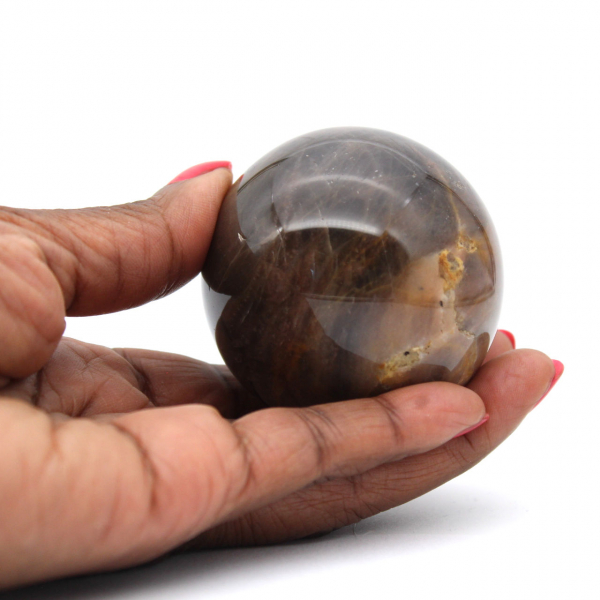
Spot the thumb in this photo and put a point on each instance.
(98, 260)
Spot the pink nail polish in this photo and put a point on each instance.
(201, 169)
(485, 419)
(510, 336)
(559, 369)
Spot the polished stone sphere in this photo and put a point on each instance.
(348, 262)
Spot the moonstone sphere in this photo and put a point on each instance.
(349, 262)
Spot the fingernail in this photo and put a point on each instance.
(510, 336)
(559, 369)
(485, 419)
(201, 169)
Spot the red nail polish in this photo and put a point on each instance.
(201, 169)
(510, 336)
(559, 369)
(485, 419)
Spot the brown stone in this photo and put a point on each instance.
(348, 262)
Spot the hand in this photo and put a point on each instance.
(109, 458)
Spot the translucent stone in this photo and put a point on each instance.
(349, 262)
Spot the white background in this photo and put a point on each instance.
(105, 102)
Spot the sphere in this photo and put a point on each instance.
(349, 262)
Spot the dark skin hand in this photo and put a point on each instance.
(112, 457)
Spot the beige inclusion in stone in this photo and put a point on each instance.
(425, 287)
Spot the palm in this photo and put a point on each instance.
(85, 380)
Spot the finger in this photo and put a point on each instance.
(510, 386)
(281, 450)
(112, 258)
(501, 344)
(95, 261)
(218, 470)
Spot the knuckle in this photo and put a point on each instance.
(393, 419)
(322, 433)
(245, 450)
(153, 223)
